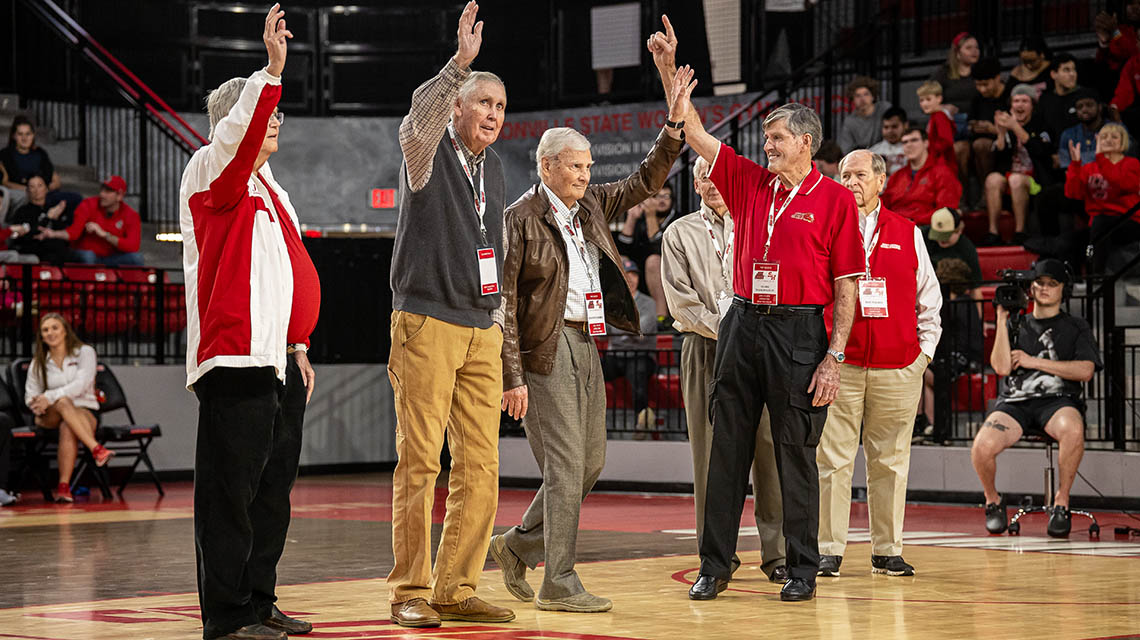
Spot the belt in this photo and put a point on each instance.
(778, 309)
(578, 325)
(290, 350)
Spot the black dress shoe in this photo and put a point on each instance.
(282, 622)
(829, 566)
(797, 590)
(996, 517)
(255, 632)
(1060, 522)
(779, 574)
(706, 587)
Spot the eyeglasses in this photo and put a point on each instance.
(280, 117)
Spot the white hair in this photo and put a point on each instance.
(878, 164)
(701, 168)
(475, 79)
(555, 141)
(221, 100)
(801, 120)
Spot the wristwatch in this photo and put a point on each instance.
(838, 355)
(674, 125)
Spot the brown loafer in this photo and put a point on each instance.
(282, 622)
(473, 610)
(414, 613)
(255, 632)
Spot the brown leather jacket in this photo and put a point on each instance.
(535, 272)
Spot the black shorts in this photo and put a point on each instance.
(1032, 415)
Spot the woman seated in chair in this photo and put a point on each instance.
(60, 391)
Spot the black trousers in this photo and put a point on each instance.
(249, 445)
(764, 360)
(5, 453)
(637, 369)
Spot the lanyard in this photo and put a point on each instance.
(869, 249)
(774, 215)
(481, 203)
(573, 226)
(725, 256)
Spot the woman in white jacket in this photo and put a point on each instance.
(60, 391)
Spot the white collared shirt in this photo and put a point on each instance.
(583, 277)
(75, 379)
(928, 299)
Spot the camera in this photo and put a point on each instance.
(1012, 295)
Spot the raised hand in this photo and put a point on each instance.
(663, 46)
(683, 85)
(274, 37)
(1074, 152)
(470, 35)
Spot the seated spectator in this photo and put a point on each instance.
(37, 228)
(60, 391)
(1116, 42)
(1089, 121)
(890, 147)
(924, 185)
(640, 239)
(1023, 162)
(1045, 367)
(993, 96)
(862, 127)
(622, 359)
(1035, 65)
(947, 240)
(962, 343)
(106, 230)
(1109, 186)
(22, 159)
(940, 130)
(959, 90)
(1058, 106)
(827, 159)
(1123, 107)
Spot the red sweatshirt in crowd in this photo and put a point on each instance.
(1129, 84)
(916, 195)
(124, 223)
(1107, 189)
(1120, 49)
(940, 132)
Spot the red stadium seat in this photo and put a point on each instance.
(665, 391)
(978, 225)
(666, 356)
(619, 395)
(108, 308)
(994, 259)
(972, 392)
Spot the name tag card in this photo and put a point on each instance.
(488, 273)
(873, 297)
(595, 313)
(765, 283)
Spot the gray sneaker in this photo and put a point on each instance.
(7, 498)
(584, 602)
(514, 571)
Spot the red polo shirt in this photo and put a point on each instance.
(123, 223)
(816, 241)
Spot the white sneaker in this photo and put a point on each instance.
(8, 498)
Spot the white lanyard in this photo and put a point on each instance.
(868, 249)
(723, 256)
(481, 203)
(774, 216)
(565, 218)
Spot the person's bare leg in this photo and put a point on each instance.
(1019, 194)
(1067, 427)
(79, 420)
(962, 152)
(997, 434)
(653, 283)
(928, 395)
(995, 184)
(67, 452)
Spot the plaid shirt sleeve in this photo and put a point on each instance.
(423, 127)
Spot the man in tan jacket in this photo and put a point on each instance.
(696, 267)
(562, 282)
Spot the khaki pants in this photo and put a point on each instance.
(883, 402)
(697, 355)
(446, 378)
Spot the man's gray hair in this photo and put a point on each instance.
(221, 100)
(701, 168)
(555, 141)
(475, 79)
(801, 120)
(878, 164)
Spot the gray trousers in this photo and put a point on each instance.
(697, 355)
(566, 428)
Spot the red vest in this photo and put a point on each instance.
(891, 342)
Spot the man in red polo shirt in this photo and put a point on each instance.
(896, 329)
(797, 250)
(105, 229)
(923, 186)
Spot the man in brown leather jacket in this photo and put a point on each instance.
(562, 281)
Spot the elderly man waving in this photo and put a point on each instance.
(562, 281)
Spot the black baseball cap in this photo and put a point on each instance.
(1053, 268)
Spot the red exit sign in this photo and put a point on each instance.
(383, 198)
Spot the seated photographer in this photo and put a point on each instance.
(1045, 362)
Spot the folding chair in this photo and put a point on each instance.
(129, 439)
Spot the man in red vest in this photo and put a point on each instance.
(896, 328)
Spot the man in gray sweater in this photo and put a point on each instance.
(445, 368)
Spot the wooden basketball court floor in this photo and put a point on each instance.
(125, 569)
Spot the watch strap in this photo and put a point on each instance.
(838, 355)
(674, 125)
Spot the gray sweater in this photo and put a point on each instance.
(434, 266)
(859, 132)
